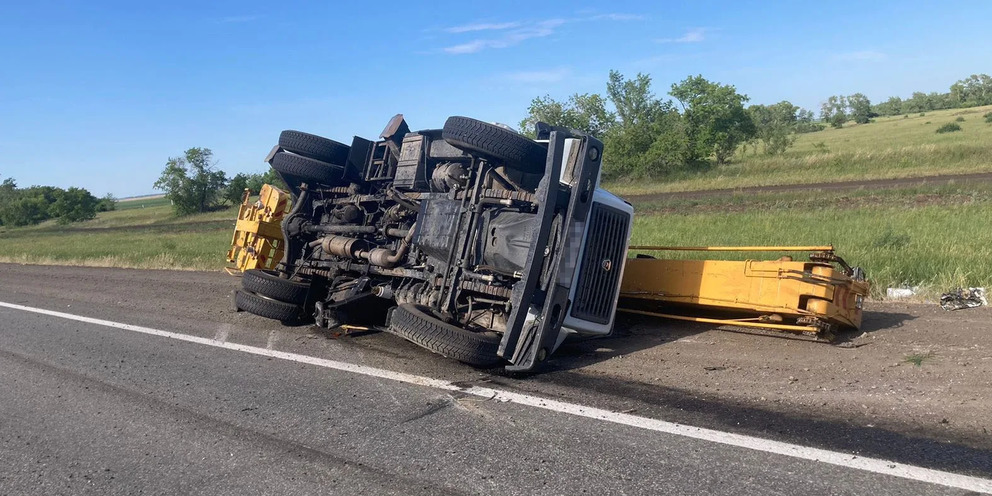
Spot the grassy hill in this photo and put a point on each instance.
(935, 237)
(890, 147)
(147, 238)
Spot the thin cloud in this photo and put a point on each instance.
(537, 77)
(239, 19)
(694, 35)
(863, 55)
(616, 17)
(482, 26)
(515, 32)
(510, 38)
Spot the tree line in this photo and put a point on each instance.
(707, 121)
(26, 206)
(194, 184)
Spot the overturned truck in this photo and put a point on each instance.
(473, 241)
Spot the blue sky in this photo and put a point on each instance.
(100, 94)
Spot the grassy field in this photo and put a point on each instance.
(142, 203)
(890, 147)
(147, 238)
(936, 237)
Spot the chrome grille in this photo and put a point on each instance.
(602, 261)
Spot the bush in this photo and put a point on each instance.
(988, 117)
(959, 119)
(922, 114)
(950, 127)
(73, 205)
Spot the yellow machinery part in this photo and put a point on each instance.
(786, 295)
(258, 242)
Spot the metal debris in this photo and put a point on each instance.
(963, 298)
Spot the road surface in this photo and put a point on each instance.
(124, 382)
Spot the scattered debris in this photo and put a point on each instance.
(897, 293)
(963, 298)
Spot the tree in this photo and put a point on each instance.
(253, 182)
(972, 91)
(834, 111)
(649, 137)
(192, 181)
(236, 188)
(775, 124)
(8, 191)
(806, 122)
(860, 108)
(586, 112)
(716, 120)
(107, 203)
(73, 205)
(892, 106)
(24, 211)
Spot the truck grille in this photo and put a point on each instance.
(599, 272)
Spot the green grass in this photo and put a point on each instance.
(936, 246)
(142, 203)
(906, 197)
(891, 147)
(918, 358)
(149, 238)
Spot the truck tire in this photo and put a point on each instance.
(306, 169)
(268, 283)
(415, 324)
(267, 307)
(315, 147)
(513, 150)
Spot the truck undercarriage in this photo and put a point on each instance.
(472, 241)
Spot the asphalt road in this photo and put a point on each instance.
(87, 408)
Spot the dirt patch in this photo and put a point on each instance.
(915, 368)
(764, 202)
(835, 186)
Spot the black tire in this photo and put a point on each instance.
(307, 170)
(513, 150)
(268, 283)
(315, 147)
(415, 324)
(268, 308)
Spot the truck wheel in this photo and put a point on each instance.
(267, 307)
(415, 324)
(268, 283)
(315, 147)
(513, 150)
(306, 169)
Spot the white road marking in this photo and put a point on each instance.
(874, 465)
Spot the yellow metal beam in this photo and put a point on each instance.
(757, 325)
(732, 248)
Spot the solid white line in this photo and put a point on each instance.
(874, 465)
